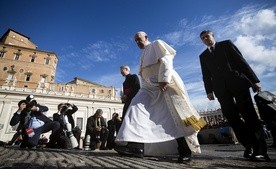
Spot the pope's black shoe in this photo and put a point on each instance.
(127, 151)
(184, 159)
(122, 150)
(137, 152)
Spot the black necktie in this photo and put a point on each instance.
(212, 50)
(98, 124)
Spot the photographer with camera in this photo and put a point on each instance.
(32, 123)
(96, 130)
(15, 119)
(69, 136)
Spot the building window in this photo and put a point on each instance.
(102, 91)
(28, 77)
(10, 76)
(93, 91)
(43, 78)
(61, 88)
(79, 122)
(33, 56)
(32, 59)
(5, 68)
(16, 56)
(2, 54)
(47, 61)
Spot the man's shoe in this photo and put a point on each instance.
(260, 158)
(184, 159)
(123, 150)
(247, 153)
(137, 152)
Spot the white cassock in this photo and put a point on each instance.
(157, 118)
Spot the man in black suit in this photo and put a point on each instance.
(131, 86)
(65, 116)
(228, 76)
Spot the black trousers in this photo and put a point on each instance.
(183, 148)
(126, 105)
(238, 109)
(98, 136)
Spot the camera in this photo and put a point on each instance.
(64, 108)
(30, 102)
(29, 98)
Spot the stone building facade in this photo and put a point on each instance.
(23, 65)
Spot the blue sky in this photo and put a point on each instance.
(93, 38)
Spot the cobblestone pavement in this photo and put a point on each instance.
(213, 157)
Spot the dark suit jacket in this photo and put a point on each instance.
(91, 127)
(226, 69)
(22, 117)
(131, 86)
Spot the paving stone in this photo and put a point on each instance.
(214, 156)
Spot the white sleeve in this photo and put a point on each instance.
(165, 70)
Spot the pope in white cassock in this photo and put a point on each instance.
(160, 119)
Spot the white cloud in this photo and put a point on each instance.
(254, 49)
(99, 52)
(257, 41)
(263, 22)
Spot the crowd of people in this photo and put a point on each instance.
(32, 124)
(158, 117)
(216, 123)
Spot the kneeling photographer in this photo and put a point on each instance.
(33, 123)
(69, 135)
